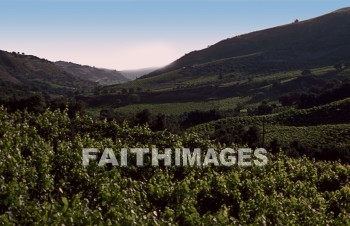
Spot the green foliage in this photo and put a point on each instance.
(43, 181)
(321, 132)
(180, 108)
(333, 113)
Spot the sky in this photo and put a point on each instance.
(132, 34)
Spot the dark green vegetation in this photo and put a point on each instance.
(321, 131)
(43, 182)
(99, 75)
(22, 74)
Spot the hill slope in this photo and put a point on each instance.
(102, 76)
(22, 74)
(259, 66)
(315, 42)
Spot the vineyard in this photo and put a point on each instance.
(321, 135)
(43, 181)
(180, 108)
(333, 113)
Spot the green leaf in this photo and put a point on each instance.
(65, 202)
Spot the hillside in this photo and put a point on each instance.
(332, 113)
(22, 74)
(259, 66)
(99, 75)
(311, 43)
(318, 127)
(292, 48)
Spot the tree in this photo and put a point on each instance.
(134, 98)
(96, 91)
(347, 64)
(197, 117)
(60, 103)
(75, 107)
(275, 146)
(338, 66)
(288, 100)
(35, 103)
(107, 114)
(239, 107)
(306, 72)
(131, 90)
(251, 137)
(307, 100)
(124, 91)
(159, 123)
(143, 117)
(264, 109)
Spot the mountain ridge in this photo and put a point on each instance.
(21, 74)
(301, 40)
(100, 75)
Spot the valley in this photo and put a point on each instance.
(284, 90)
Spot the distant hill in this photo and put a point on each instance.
(317, 42)
(99, 75)
(22, 74)
(262, 66)
(134, 74)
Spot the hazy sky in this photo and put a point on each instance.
(121, 34)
